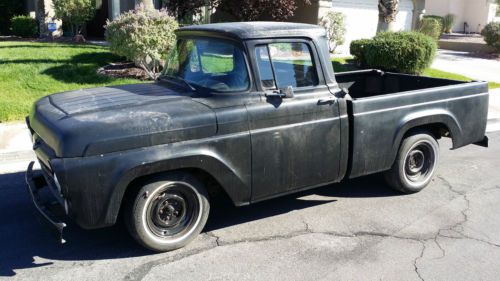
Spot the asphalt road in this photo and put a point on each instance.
(357, 230)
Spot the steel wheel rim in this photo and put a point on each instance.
(419, 162)
(173, 211)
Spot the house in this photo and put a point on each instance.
(361, 16)
(43, 11)
(470, 15)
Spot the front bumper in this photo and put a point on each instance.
(36, 181)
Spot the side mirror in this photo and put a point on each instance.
(288, 92)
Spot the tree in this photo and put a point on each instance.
(334, 24)
(387, 12)
(181, 9)
(74, 12)
(250, 10)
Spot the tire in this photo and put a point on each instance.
(168, 212)
(415, 163)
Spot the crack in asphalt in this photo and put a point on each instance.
(415, 262)
(217, 238)
(140, 272)
(453, 228)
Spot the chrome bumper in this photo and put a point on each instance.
(36, 181)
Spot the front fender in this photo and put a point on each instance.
(234, 180)
(96, 185)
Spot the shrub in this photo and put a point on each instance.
(24, 26)
(491, 34)
(431, 27)
(448, 22)
(357, 50)
(144, 37)
(406, 52)
(74, 12)
(334, 24)
(439, 18)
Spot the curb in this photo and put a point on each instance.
(493, 125)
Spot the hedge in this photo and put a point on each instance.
(24, 26)
(406, 52)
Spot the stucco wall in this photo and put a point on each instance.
(362, 18)
(477, 13)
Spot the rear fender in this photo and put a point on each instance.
(425, 118)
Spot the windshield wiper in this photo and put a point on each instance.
(182, 80)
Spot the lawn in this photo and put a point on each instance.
(30, 70)
(346, 64)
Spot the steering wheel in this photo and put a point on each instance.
(214, 84)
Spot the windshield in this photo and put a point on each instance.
(210, 63)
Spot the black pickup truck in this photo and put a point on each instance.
(253, 110)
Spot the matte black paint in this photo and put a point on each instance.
(97, 141)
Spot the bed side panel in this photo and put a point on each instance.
(379, 123)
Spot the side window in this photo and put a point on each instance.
(265, 68)
(286, 64)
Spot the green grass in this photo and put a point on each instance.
(343, 64)
(453, 76)
(216, 64)
(346, 64)
(30, 70)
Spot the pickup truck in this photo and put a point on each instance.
(250, 110)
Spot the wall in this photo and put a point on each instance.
(444, 7)
(362, 18)
(477, 13)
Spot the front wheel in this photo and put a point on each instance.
(415, 163)
(168, 212)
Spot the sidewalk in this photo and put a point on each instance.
(15, 147)
(16, 153)
(468, 64)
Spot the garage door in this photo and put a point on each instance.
(362, 18)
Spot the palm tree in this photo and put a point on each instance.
(387, 12)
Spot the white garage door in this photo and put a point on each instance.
(362, 18)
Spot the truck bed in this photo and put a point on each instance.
(382, 105)
(371, 82)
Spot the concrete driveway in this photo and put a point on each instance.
(357, 230)
(468, 64)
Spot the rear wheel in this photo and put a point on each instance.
(415, 163)
(168, 212)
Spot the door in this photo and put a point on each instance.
(295, 140)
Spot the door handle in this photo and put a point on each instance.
(330, 101)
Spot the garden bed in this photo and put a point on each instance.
(123, 70)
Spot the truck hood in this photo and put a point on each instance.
(109, 119)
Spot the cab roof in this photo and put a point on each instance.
(255, 30)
